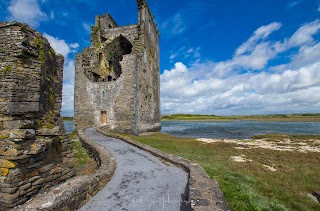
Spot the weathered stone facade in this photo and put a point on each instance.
(117, 82)
(34, 151)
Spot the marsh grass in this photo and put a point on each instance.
(250, 186)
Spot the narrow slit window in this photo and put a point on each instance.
(145, 74)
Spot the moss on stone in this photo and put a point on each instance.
(39, 43)
(42, 56)
(39, 123)
(6, 69)
(51, 96)
(52, 51)
(49, 125)
(95, 35)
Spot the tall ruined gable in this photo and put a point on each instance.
(117, 82)
(32, 146)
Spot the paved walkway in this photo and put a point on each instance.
(141, 181)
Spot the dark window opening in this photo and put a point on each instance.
(103, 94)
(103, 39)
(96, 77)
(109, 78)
(110, 26)
(100, 57)
(145, 74)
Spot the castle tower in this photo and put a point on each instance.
(117, 84)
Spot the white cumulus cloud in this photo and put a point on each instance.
(261, 33)
(220, 88)
(60, 46)
(65, 49)
(67, 99)
(304, 35)
(26, 11)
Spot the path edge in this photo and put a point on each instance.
(204, 193)
(76, 192)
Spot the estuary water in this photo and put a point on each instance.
(237, 129)
(68, 125)
(233, 129)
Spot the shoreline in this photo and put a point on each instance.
(278, 144)
(251, 119)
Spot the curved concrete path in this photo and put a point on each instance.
(141, 181)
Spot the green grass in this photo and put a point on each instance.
(271, 117)
(72, 135)
(6, 69)
(80, 154)
(249, 186)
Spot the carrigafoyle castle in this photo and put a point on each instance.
(117, 82)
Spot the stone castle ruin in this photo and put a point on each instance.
(117, 84)
(34, 151)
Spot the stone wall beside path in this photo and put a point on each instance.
(204, 193)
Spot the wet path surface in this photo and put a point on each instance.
(141, 181)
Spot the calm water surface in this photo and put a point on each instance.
(234, 129)
(68, 125)
(237, 129)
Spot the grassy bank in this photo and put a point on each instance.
(84, 164)
(249, 185)
(271, 118)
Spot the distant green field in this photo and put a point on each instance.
(271, 117)
(67, 118)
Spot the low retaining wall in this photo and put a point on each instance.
(204, 192)
(77, 191)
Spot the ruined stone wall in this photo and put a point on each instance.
(104, 87)
(33, 147)
(117, 78)
(148, 106)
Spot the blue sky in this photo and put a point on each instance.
(219, 57)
